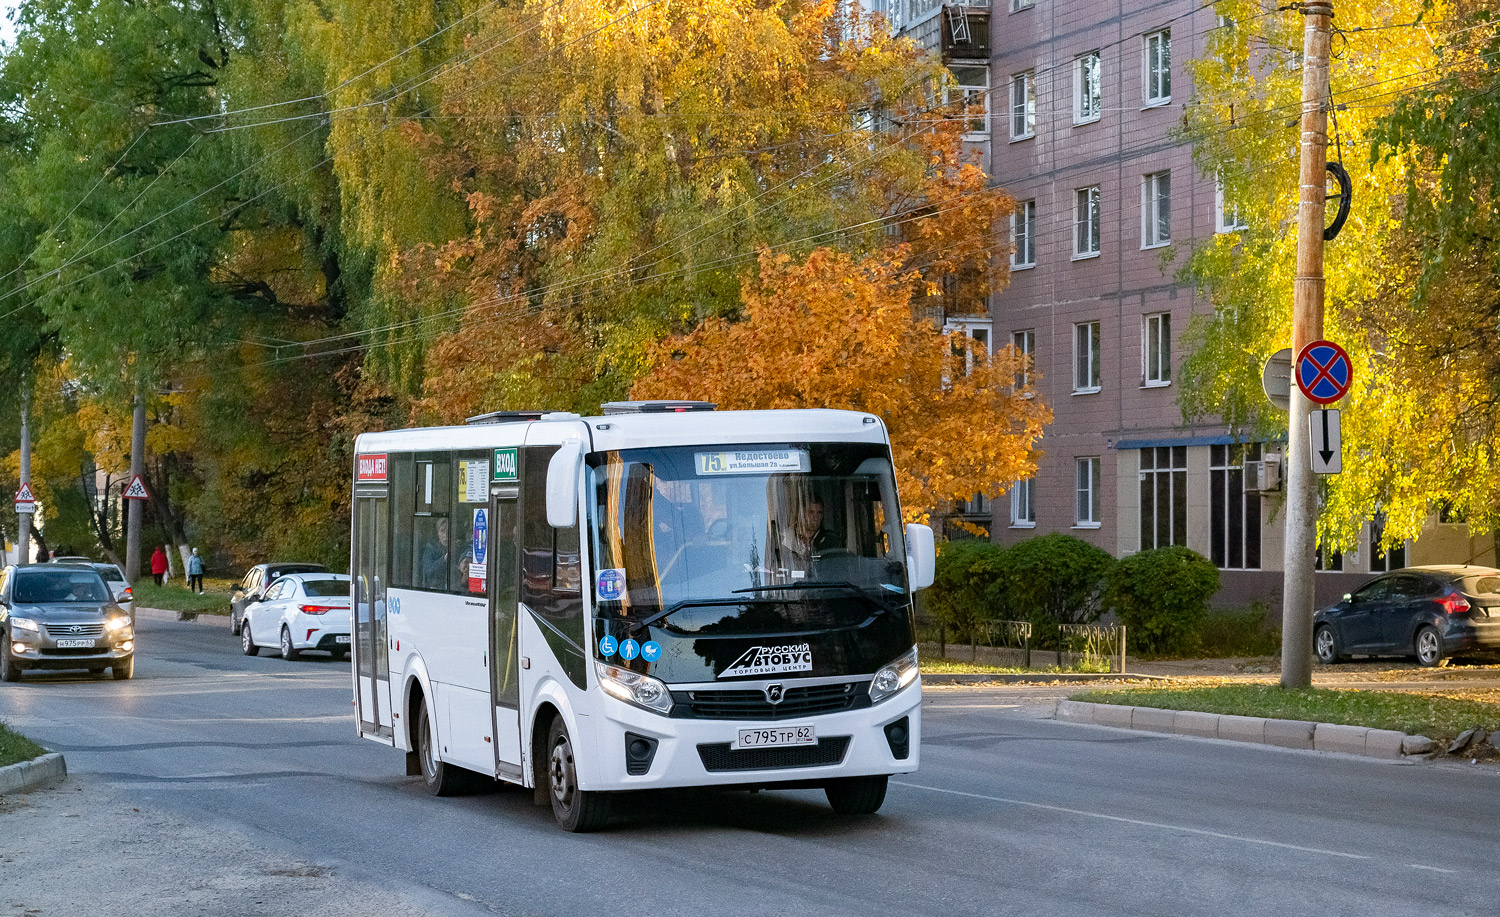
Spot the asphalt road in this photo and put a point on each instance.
(230, 765)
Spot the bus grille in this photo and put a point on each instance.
(721, 757)
(810, 700)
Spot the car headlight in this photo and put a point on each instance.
(633, 687)
(25, 624)
(895, 676)
(116, 623)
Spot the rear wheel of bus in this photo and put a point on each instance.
(857, 795)
(575, 810)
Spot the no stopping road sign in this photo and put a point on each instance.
(1324, 372)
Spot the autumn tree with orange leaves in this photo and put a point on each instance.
(838, 331)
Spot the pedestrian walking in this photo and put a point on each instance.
(195, 572)
(159, 565)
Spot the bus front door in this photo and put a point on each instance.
(504, 576)
(371, 651)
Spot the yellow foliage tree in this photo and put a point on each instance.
(838, 331)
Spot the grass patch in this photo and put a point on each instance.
(1438, 716)
(177, 597)
(15, 748)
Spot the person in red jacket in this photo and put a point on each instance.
(159, 564)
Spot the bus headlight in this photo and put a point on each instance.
(893, 677)
(634, 688)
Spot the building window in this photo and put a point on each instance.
(1156, 349)
(1328, 561)
(1382, 560)
(973, 90)
(978, 329)
(1086, 92)
(1234, 516)
(1227, 215)
(1087, 503)
(1023, 105)
(1025, 344)
(1085, 357)
(1022, 505)
(1086, 222)
(978, 506)
(1225, 22)
(1018, 5)
(1158, 67)
(1163, 496)
(1023, 235)
(1156, 209)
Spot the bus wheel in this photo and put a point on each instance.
(441, 779)
(857, 795)
(575, 810)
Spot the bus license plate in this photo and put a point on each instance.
(776, 737)
(74, 644)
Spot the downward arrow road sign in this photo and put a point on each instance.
(1327, 452)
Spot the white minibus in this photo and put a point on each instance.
(662, 596)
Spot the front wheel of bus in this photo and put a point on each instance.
(575, 810)
(441, 779)
(857, 795)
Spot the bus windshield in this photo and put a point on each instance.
(714, 539)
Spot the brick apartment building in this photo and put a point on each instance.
(1083, 97)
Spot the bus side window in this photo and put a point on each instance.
(402, 507)
(551, 566)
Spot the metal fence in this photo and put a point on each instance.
(1093, 646)
(1097, 644)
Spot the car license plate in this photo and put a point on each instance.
(776, 737)
(74, 644)
(342, 638)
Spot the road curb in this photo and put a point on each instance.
(1252, 730)
(34, 774)
(1026, 678)
(183, 617)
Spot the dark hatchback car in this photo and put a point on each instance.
(54, 616)
(1431, 613)
(253, 587)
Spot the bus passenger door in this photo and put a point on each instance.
(503, 569)
(372, 667)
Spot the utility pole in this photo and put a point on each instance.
(1298, 594)
(23, 516)
(134, 511)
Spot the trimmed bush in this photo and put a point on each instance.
(1161, 596)
(1050, 580)
(959, 597)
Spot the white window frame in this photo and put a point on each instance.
(1023, 504)
(1023, 105)
(980, 329)
(1156, 368)
(1088, 223)
(1156, 68)
(1024, 341)
(1086, 503)
(1087, 88)
(977, 125)
(1017, 5)
(1227, 218)
(1023, 235)
(1156, 209)
(1087, 378)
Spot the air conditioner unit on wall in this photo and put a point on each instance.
(1263, 476)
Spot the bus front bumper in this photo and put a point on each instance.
(639, 749)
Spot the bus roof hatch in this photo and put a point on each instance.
(656, 407)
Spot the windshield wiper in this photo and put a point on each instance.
(821, 584)
(637, 626)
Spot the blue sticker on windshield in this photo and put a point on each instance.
(629, 649)
(650, 651)
(610, 585)
(607, 646)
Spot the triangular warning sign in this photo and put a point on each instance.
(136, 490)
(24, 495)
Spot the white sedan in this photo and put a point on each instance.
(300, 612)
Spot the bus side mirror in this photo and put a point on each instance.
(562, 486)
(921, 556)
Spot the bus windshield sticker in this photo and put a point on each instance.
(474, 482)
(771, 660)
(753, 462)
(610, 584)
(506, 467)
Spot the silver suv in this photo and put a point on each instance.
(62, 616)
